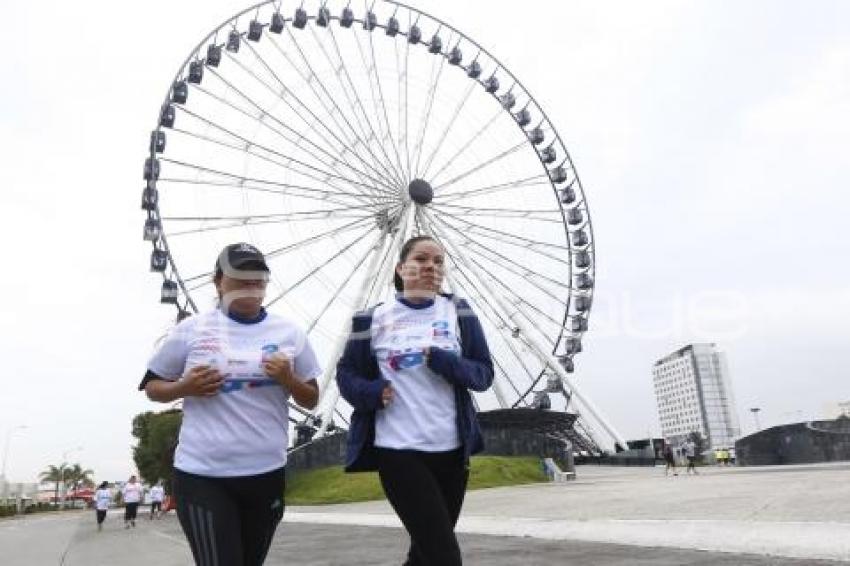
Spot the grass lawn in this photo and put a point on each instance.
(332, 485)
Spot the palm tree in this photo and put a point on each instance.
(76, 475)
(55, 474)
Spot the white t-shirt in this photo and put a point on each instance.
(422, 415)
(102, 499)
(243, 430)
(157, 493)
(132, 492)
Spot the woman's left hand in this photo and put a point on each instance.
(279, 368)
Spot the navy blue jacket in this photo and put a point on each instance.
(360, 383)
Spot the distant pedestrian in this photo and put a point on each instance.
(131, 493)
(670, 460)
(690, 453)
(102, 499)
(157, 494)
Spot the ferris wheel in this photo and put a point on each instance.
(327, 134)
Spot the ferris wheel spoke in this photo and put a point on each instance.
(242, 184)
(338, 157)
(343, 147)
(358, 264)
(392, 175)
(540, 215)
(463, 149)
(505, 375)
(234, 225)
(500, 397)
(505, 324)
(534, 180)
(257, 220)
(508, 238)
(290, 159)
(426, 116)
(320, 266)
(279, 187)
(483, 165)
(287, 164)
(516, 299)
(406, 179)
(401, 83)
(445, 134)
(331, 161)
(287, 216)
(356, 104)
(487, 253)
(497, 320)
(505, 339)
(382, 266)
(407, 100)
(370, 71)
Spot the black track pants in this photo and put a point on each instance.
(229, 521)
(426, 490)
(130, 510)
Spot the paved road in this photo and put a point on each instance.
(754, 515)
(71, 540)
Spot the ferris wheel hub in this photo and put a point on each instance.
(420, 191)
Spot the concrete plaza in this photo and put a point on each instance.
(780, 516)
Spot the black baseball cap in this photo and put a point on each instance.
(236, 259)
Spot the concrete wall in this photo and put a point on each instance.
(506, 432)
(799, 443)
(326, 451)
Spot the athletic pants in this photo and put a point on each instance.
(229, 521)
(101, 515)
(426, 490)
(130, 511)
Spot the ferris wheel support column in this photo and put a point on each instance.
(372, 287)
(540, 352)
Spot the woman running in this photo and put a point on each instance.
(235, 368)
(102, 499)
(407, 371)
(131, 494)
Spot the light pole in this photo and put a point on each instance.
(755, 412)
(6, 455)
(62, 472)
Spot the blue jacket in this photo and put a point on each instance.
(360, 383)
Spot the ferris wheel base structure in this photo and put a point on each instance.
(506, 432)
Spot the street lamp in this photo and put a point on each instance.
(62, 471)
(755, 412)
(6, 454)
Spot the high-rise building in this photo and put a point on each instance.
(694, 394)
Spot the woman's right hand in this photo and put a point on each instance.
(201, 381)
(387, 395)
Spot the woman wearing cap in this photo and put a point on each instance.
(407, 371)
(235, 368)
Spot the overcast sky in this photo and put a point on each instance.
(711, 138)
